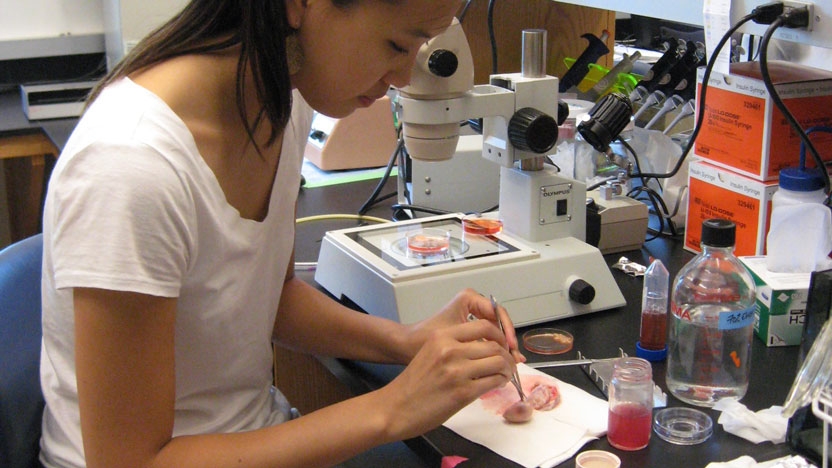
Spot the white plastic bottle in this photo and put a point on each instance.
(800, 235)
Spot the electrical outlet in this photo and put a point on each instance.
(811, 7)
(819, 32)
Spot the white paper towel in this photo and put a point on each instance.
(549, 438)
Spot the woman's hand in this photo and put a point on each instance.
(456, 365)
(465, 305)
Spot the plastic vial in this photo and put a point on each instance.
(800, 234)
(631, 404)
(652, 343)
(711, 322)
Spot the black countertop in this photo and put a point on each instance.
(597, 335)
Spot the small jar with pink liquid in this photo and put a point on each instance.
(631, 404)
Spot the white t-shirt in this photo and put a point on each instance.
(132, 206)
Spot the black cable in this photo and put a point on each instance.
(491, 37)
(775, 97)
(700, 114)
(374, 197)
(464, 10)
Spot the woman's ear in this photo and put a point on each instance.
(294, 12)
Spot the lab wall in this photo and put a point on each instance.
(35, 19)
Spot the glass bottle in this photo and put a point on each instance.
(711, 323)
(631, 404)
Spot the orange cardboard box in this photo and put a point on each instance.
(715, 192)
(744, 131)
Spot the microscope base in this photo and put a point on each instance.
(532, 280)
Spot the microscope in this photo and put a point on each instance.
(537, 263)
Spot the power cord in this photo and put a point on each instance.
(763, 14)
(793, 18)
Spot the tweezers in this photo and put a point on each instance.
(515, 376)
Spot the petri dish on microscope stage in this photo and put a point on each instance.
(481, 225)
(428, 241)
(547, 341)
(683, 426)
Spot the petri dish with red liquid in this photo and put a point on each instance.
(548, 341)
(428, 242)
(480, 225)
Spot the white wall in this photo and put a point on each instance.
(34, 19)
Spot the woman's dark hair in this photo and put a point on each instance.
(260, 27)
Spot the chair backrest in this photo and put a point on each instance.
(21, 399)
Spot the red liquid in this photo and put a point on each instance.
(628, 427)
(653, 329)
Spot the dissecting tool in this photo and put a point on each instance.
(515, 377)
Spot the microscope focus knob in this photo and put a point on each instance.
(443, 63)
(581, 292)
(532, 130)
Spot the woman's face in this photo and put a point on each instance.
(353, 55)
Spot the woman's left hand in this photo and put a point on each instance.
(467, 304)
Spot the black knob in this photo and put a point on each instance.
(563, 112)
(532, 130)
(581, 292)
(607, 118)
(443, 62)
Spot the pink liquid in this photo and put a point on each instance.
(628, 427)
(653, 329)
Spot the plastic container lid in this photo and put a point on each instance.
(547, 341)
(597, 459)
(719, 232)
(683, 426)
(801, 180)
(652, 355)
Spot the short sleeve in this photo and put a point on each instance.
(122, 217)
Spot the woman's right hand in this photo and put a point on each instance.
(455, 366)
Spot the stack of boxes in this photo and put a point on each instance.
(744, 142)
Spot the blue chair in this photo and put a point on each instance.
(21, 400)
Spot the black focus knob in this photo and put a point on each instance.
(532, 130)
(443, 62)
(607, 118)
(581, 292)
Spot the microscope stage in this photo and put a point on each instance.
(373, 267)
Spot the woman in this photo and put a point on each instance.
(169, 226)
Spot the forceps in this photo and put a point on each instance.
(515, 377)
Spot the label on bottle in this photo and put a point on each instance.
(736, 318)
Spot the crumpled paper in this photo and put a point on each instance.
(764, 425)
(791, 461)
(631, 268)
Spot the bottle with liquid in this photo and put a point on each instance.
(711, 322)
(631, 404)
(652, 343)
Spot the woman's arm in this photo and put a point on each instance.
(126, 383)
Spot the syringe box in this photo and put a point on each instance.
(742, 129)
(715, 192)
(781, 303)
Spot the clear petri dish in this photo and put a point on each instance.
(683, 426)
(480, 225)
(547, 341)
(429, 241)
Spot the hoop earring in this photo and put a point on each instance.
(294, 53)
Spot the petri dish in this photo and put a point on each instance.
(547, 341)
(479, 225)
(426, 242)
(683, 426)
